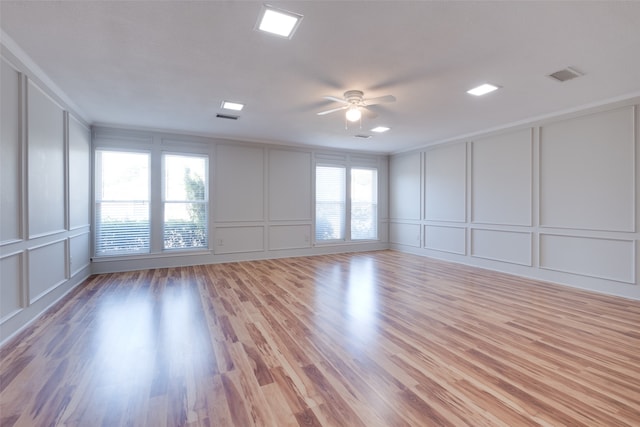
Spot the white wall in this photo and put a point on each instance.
(261, 196)
(556, 200)
(44, 198)
(261, 199)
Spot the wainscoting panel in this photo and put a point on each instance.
(11, 285)
(445, 239)
(229, 240)
(289, 237)
(79, 253)
(47, 269)
(507, 246)
(404, 234)
(602, 258)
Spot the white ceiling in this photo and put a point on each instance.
(169, 64)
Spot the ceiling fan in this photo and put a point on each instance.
(355, 104)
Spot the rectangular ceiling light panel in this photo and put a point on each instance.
(380, 129)
(482, 89)
(277, 21)
(235, 106)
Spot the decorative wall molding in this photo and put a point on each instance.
(500, 245)
(588, 172)
(404, 234)
(36, 270)
(47, 268)
(604, 258)
(445, 183)
(446, 239)
(572, 218)
(502, 179)
(289, 237)
(12, 285)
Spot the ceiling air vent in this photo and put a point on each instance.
(362, 136)
(227, 116)
(566, 74)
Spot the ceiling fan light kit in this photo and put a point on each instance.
(353, 114)
(355, 104)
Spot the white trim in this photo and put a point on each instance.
(37, 72)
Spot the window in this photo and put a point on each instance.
(331, 203)
(140, 210)
(364, 204)
(185, 201)
(122, 203)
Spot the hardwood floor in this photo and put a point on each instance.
(367, 339)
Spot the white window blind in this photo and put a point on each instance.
(185, 199)
(122, 203)
(330, 202)
(364, 204)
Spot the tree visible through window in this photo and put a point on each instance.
(364, 204)
(185, 201)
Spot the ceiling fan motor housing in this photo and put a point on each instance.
(354, 96)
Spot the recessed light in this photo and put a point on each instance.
(482, 89)
(277, 21)
(235, 106)
(380, 129)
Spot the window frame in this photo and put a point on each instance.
(205, 201)
(155, 146)
(345, 228)
(375, 220)
(348, 166)
(98, 181)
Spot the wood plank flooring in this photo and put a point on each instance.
(367, 339)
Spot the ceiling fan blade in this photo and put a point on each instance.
(379, 100)
(333, 98)
(368, 113)
(322, 113)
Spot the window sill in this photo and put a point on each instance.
(166, 254)
(345, 242)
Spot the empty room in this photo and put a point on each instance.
(319, 213)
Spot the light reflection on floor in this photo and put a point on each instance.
(126, 341)
(141, 339)
(349, 293)
(362, 300)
